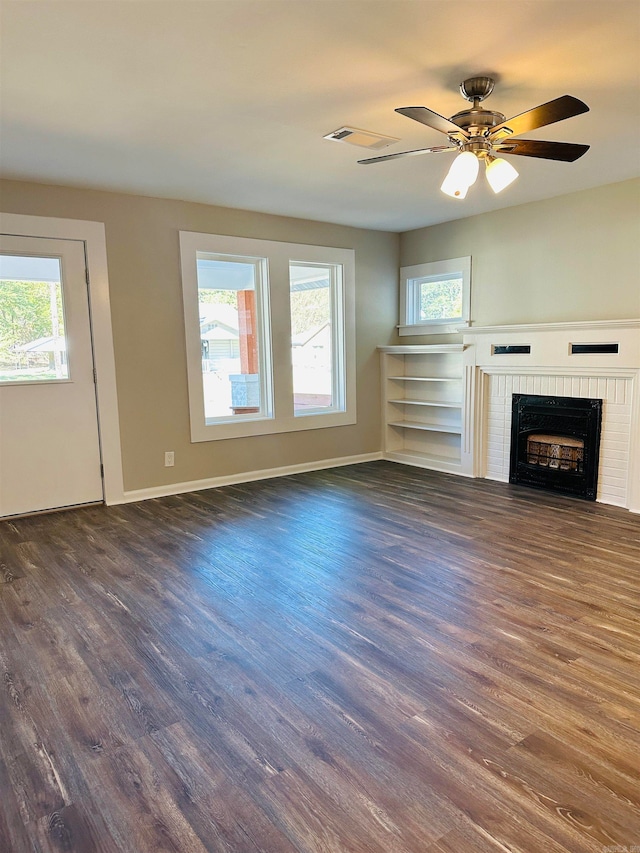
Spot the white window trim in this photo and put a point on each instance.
(429, 270)
(279, 255)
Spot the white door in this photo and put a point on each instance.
(49, 441)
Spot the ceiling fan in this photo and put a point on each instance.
(479, 134)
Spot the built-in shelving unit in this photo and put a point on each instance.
(423, 405)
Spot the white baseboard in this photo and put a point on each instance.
(599, 500)
(497, 478)
(245, 477)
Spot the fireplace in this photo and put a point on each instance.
(555, 443)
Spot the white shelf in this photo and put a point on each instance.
(436, 403)
(454, 430)
(426, 378)
(425, 349)
(438, 370)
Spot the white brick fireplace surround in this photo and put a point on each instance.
(550, 368)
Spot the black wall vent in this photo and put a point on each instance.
(593, 349)
(511, 349)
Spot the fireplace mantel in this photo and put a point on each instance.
(550, 367)
(581, 325)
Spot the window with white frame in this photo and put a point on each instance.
(270, 334)
(435, 297)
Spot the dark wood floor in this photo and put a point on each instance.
(370, 659)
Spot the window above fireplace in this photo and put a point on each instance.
(435, 298)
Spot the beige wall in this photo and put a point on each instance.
(146, 302)
(575, 257)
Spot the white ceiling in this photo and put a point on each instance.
(226, 101)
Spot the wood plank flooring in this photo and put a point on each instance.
(376, 659)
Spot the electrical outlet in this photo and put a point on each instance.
(169, 459)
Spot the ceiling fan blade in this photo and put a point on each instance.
(557, 110)
(566, 151)
(435, 150)
(431, 119)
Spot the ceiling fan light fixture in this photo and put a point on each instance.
(461, 175)
(465, 167)
(500, 174)
(454, 188)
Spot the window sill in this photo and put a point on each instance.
(444, 328)
(271, 426)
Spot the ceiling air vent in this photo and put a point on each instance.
(361, 138)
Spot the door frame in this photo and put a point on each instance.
(92, 234)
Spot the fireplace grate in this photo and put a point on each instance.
(556, 451)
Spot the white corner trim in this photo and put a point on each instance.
(245, 477)
(633, 493)
(93, 236)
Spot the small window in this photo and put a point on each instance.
(435, 297)
(33, 346)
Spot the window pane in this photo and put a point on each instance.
(32, 339)
(312, 295)
(441, 299)
(230, 336)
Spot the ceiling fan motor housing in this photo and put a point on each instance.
(477, 122)
(477, 88)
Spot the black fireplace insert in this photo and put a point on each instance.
(555, 443)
